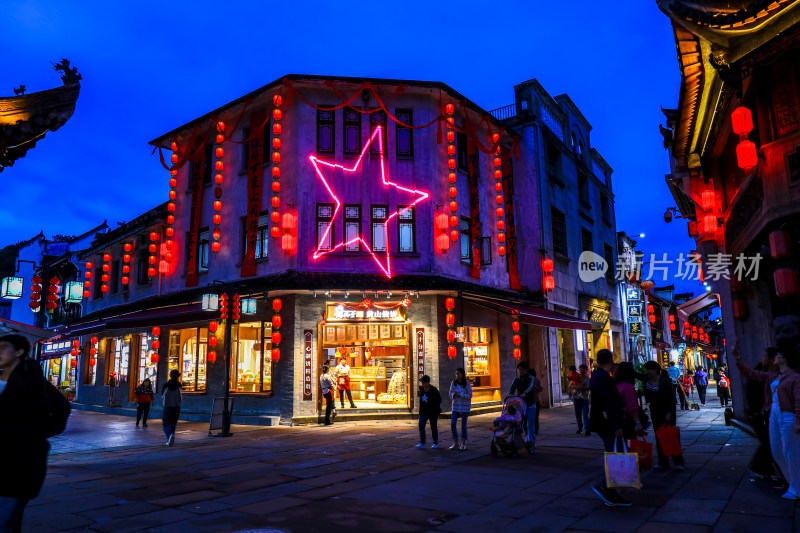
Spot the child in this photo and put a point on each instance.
(505, 424)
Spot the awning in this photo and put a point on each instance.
(536, 316)
(32, 333)
(700, 303)
(163, 316)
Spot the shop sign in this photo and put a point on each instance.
(341, 313)
(633, 294)
(635, 328)
(420, 352)
(307, 368)
(635, 310)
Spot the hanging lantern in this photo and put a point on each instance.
(517, 353)
(451, 352)
(651, 318)
(515, 325)
(154, 357)
(516, 339)
(212, 356)
(451, 335)
(549, 283)
(277, 115)
(780, 244)
(276, 321)
(742, 121)
(449, 303)
(451, 166)
(651, 309)
(92, 361)
(786, 282)
(442, 242)
(547, 265)
(87, 284)
(709, 223)
(647, 285)
(276, 354)
(450, 319)
(746, 155)
(212, 326)
(708, 200)
(212, 341)
(277, 304)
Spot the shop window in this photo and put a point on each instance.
(558, 222)
(202, 250)
(566, 356)
(324, 223)
(352, 132)
(188, 349)
(586, 240)
(378, 118)
(352, 227)
(251, 365)
(378, 214)
(262, 237)
(119, 358)
(326, 132)
(147, 369)
(465, 240)
(481, 363)
(406, 230)
(404, 137)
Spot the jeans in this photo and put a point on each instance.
(581, 413)
(169, 419)
(724, 396)
(11, 510)
(683, 397)
(530, 424)
(453, 426)
(328, 406)
(785, 446)
(423, 420)
(701, 392)
(142, 412)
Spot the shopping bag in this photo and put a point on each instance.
(644, 450)
(622, 467)
(670, 439)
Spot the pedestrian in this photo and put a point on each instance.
(759, 396)
(784, 418)
(701, 382)
(330, 365)
(674, 373)
(527, 386)
(660, 395)
(113, 383)
(31, 410)
(172, 405)
(342, 375)
(461, 397)
(144, 397)
(686, 383)
(606, 419)
(574, 376)
(625, 378)
(723, 388)
(430, 407)
(579, 389)
(326, 382)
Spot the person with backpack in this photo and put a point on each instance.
(172, 405)
(723, 389)
(701, 382)
(430, 407)
(144, 397)
(31, 411)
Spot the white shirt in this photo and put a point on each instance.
(342, 370)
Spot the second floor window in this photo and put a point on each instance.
(326, 132)
(605, 211)
(378, 118)
(608, 255)
(324, 219)
(378, 224)
(465, 240)
(404, 137)
(352, 227)
(558, 221)
(262, 237)
(114, 277)
(406, 230)
(352, 132)
(583, 191)
(586, 240)
(141, 268)
(202, 250)
(98, 283)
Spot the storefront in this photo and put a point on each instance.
(481, 362)
(56, 365)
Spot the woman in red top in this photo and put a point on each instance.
(144, 397)
(686, 381)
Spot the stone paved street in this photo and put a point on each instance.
(107, 476)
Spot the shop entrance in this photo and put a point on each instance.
(375, 346)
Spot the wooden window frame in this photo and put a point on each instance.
(398, 129)
(321, 123)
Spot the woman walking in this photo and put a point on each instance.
(625, 378)
(701, 382)
(784, 417)
(172, 406)
(461, 396)
(660, 395)
(144, 397)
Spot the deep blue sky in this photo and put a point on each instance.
(151, 66)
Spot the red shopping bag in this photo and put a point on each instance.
(670, 439)
(644, 450)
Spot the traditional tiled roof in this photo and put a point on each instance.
(728, 15)
(692, 77)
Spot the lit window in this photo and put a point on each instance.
(378, 224)
(406, 230)
(324, 221)
(352, 227)
(188, 349)
(251, 370)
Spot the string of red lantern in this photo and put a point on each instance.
(450, 321)
(672, 323)
(152, 249)
(236, 309)
(36, 294)
(289, 239)
(451, 172)
(742, 123)
(87, 282)
(73, 360)
(52, 294)
(127, 248)
(171, 206)
(223, 306)
(219, 167)
(548, 280)
(651, 314)
(93, 351)
(105, 277)
(277, 305)
(499, 199)
(275, 217)
(515, 336)
(442, 240)
(212, 329)
(156, 344)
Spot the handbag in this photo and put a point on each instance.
(622, 468)
(644, 450)
(669, 437)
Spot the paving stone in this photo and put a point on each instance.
(746, 523)
(690, 511)
(666, 527)
(616, 519)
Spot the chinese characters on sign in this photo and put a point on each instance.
(339, 312)
(634, 311)
(689, 267)
(420, 352)
(635, 328)
(307, 368)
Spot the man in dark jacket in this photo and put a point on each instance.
(430, 407)
(527, 386)
(24, 410)
(606, 417)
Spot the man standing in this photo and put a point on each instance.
(579, 389)
(675, 375)
(527, 386)
(606, 418)
(430, 407)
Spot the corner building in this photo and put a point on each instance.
(348, 213)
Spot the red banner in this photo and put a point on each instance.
(255, 178)
(198, 169)
(420, 353)
(474, 209)
(308, 382)
(511, 228)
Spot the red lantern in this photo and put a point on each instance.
(549, 283)
(276, 354)
(449, 303)
(288, 244)
(442, 242)
(672, 326)
(92, 361)
(212, 326)
(94, 340)
(742, 121)
(515, 326)
(277, 304)
(454, 221)
(276, 337)
(713, 356)
(547, 265)
(440, 220)
(275, 231)
(92, 351)
(216, 246)
(154, 358)
(708, 200)
(651, 309)
(451, 352)
(212, 341)
(453, 207)
(449, 109)
(516, 339)
(517, 353)
(746, 155)
(156, 344)
(501, 250)
(156, 331)
(450, 319)
(212, 356)
(786, 282)
(709, 223)
(454, 235)
(499, 212)
(651, 318)
(73, 363)
(451, 335)
(276, 321)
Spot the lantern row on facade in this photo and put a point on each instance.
(515, 336)
(289, 238)
(212, 334)
(87, 281)
(52, 294)
(93, 351)
(173, 195)
(152, 250)
(275, 215)
(450, 321)
(451, 172)
(73, 353)
(219, 167)
(742, 123)
(127, 251)
(105, 277)
(36, 294)
(442, 240)
(548, 280)
(499, 199)
(156, 345)
(277, 305)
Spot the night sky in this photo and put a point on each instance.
(149, 67)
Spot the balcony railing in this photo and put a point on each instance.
(505, 112)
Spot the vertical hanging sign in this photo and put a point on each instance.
(420, 352)
(511, 229)
(307, 368)
(198, 169)
(255, 175)
(474, 209)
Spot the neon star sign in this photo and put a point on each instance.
(416, 197)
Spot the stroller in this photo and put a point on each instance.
(507, 428)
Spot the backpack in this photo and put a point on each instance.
(57, 411)
(723, 382)
(702, 381)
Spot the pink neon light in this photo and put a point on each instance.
(419, 196)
